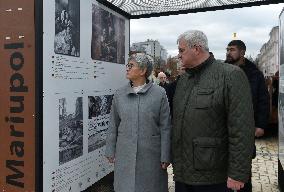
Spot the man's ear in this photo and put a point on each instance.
(198, 49)
(243, 52)
(143, 72)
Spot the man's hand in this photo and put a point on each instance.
(234, 185)
(259, 132)
(164, 165)
(111, 159)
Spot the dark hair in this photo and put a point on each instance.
(240, 44)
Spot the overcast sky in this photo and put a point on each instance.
(252, 25)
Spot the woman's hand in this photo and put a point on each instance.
(111, 159)
(164, 165)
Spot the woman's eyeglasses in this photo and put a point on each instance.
(129, 65)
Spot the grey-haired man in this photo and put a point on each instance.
(213, 125)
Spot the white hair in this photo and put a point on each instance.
(162, 74)
(194, 37)
(144, 61)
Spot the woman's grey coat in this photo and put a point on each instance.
(139, 139)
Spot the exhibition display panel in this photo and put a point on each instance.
(62, 61)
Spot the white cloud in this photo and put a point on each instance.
(252, 25)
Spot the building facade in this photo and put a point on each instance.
(268, 61)
(151, 47)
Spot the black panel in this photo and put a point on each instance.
(39, 93)
(114, 8)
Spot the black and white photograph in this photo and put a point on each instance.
(99, 105)
(67, 27)
(70, 129)
(99, 113)
(108, 36)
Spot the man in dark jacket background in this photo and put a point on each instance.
(236, 55)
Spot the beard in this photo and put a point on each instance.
(231, 60)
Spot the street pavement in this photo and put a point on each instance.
(264, 167)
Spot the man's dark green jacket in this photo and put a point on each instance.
(213, 125)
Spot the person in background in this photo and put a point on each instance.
(138, 140)
(168, 75)
(274, 98)
(213, 129)
(162, 79)
(152, 77)
(171, 87)
(236, 50)
(235, 55)
(275, 91)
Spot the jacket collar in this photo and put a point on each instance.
(129, 89)
(200, 67)
(248, 65)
